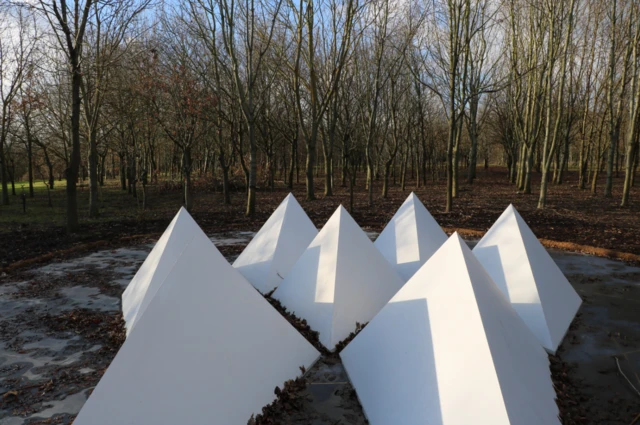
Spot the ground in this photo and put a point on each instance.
(572, 215)
(60, 294)
(61, 326)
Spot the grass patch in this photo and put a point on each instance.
(115, 204)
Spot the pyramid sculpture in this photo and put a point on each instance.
(209, 349)
(525, 272)
(276, 247)
(410, 238)
(157, 265)
(340, 280)
(449, 349)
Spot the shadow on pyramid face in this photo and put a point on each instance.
(396, 377)
(255, 262)
(410, 238)
(532, 314)
(408, 269)
(255, 271)
(136, 293)
(314, 303)
(499, 278)
(142, 288)
(405, 231)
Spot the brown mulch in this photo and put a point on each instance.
(300, 324)
(290, 397)
(573, 219)
(95, 326)
(570, 399)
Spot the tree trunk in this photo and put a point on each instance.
(253, 171)
(311, 161)
(473, 136)
(30, 162)
(94, 207)
(328, 174)
(225, 184)
(123, 172)
(50, 169)
(293, 161)
(4, 171)
(74, 160)
(385, 183)
(186, 170)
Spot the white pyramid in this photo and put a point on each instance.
(410, 238)
(277, 246)
(340, 280)
(209, 349)
(157, 265)
(448, 349)
(525, 272)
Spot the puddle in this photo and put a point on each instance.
(82, 297)
(71, 403)
(39, 354)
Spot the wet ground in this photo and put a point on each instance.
(60, 327)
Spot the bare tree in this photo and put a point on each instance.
(105, 44)
(246, 34)
(68, 23)
(17, 43)
(551, 133)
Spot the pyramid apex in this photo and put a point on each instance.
(511, 210)
(182, 215)
(456, 238)
(412, 197)
(342, 214)
(411, 237)
(287, 199)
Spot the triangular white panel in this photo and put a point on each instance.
(525, 272)
(340, 280)
(157, 265)
(277, 246)
(209, 349)
(410, 238)
(449, 349)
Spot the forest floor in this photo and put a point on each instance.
(572, 215)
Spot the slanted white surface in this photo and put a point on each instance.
(525, 272)
(340, 280)
(209, 349)
(448, 349)
(277, 246)
(156, 266)
(410, 238)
